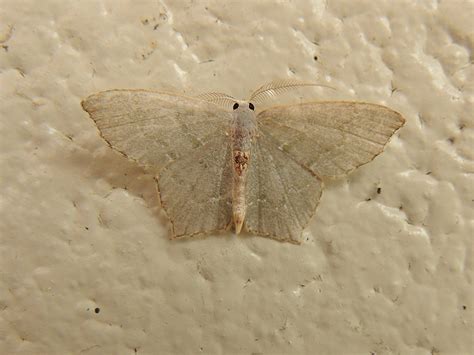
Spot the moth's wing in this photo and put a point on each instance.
(155, 128)
(330, 138)
(282, 195)
(195, 191)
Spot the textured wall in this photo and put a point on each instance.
(85, 263)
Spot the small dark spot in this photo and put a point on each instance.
(145, 21)
(97, 310)
(207, 61)
(315, 58)
(368, 199)
(87, 228)
(464, 307)
(236, 106)
(451, 140)
(155, 27)
(5, 48)
(379, 190)
(251, 106)
(461, 126)
(400, 208)
(428, 173)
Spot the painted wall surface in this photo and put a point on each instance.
(86, 266)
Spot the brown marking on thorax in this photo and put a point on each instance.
(241, 161)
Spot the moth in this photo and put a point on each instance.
(219, 164)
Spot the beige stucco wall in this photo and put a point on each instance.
(86, 266)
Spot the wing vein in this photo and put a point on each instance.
(285, 191)
(328, 127)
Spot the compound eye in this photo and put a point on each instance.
(251, 106)
(236, 106)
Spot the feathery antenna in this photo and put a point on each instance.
(218, 98)
(277, 87)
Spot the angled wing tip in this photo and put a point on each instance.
(84, 104)
(87, 103)
(402, 119)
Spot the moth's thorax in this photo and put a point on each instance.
(244, 127)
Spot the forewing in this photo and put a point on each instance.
(195, 190)
(282, 195)
(330, 138)
(154, 128)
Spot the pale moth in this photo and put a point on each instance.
(218, 164)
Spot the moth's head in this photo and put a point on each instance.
(240, 107)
